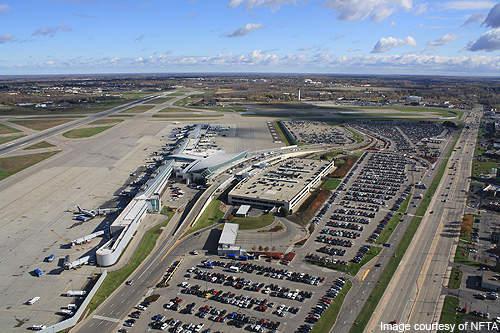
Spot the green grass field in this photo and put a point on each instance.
(331, 184)
(284, 138)
(455, 278)
(462, 255)
(14, 164)
(189, 100)
(106, 121)
(8, 138)
(449, 315)
(160, 100)
(116, 278)
(482, 167)
(40, 145)
(172, 109)
(327, 320)
(186, 116)
(85, 132)
(253, 222)
(443, 112)
(210, 216)
(357, 136)
(41, 124)
(138, 109)
(4, 129)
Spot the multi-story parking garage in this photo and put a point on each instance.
(285, 185)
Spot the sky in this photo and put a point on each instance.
(436, 37)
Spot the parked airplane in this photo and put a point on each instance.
(85, 215)
(87, 212)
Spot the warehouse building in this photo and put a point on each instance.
(284, 185)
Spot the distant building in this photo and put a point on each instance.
(414, 100)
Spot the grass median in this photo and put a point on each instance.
(210, 216)
(85, 132)
(40, 124)
(357, 136)
(4, 129)
(138, 109)
(279, 127)
(253, 222)
(331, 184)
(327, 320)
(40, 145)
(14, 164)
(455, 278)
(449, 315)
(371, 303)
(116, 278)
(8, 138)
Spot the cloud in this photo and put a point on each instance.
(245, 30)
(388, 43)
(493, 18)
(139, 38)
(376, 10)
(421, 8)
(468, 4)
(258, 61)
(3, 8)
(443, 40)
(489, 41)
(5, 38)
(51, 31)
(273, 4)
(474, 18)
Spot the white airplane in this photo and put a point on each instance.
(87, 212)
(85, 215)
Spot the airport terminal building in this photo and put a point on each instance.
(125, 225)
(285, 185)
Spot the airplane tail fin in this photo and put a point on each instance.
(79, 209)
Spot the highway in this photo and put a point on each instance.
(414, 293)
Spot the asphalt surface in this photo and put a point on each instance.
(414, 293)
(35, 137)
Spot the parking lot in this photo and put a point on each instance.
(358, 211)
(311, 132)
(212, 294)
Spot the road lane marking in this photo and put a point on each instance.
(365, 274)
(113, 320)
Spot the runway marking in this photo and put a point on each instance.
(113, 320)
(365, 274)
